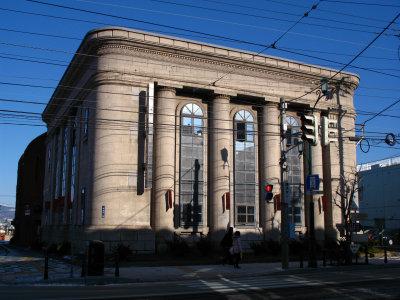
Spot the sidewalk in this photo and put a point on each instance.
(28, 268)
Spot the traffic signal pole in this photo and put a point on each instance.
(284, 204)
(312, 261)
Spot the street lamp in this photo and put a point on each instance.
(324, 86)
(323, 91)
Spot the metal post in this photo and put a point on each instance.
(312, 262)
(46, 267)
(284, 204)
(385, 251)
(116, 264)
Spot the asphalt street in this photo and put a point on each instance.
(24, 268)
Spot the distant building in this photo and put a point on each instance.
(29, 195)
(152, 136)
(379, 195)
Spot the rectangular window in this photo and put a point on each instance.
(64, 163)
(86, 122)
(57, 159)
(245, 214)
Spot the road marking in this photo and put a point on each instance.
(228, 285)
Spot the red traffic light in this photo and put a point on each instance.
(269, 187)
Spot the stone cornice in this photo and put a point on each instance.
(179, 45)
(219, 61)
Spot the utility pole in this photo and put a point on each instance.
(284, 204)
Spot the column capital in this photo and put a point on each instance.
(270, 104)
(222, 96)
(166, 89)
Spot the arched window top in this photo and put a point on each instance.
(244, 116)
(291, 121)
(192, 109)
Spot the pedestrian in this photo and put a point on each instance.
(226, 244)
(237, 250)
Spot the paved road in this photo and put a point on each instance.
(372, 282)
(21, 275)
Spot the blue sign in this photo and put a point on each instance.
(103, 211)
(312, 183)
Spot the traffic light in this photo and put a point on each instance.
(329, 131)
(268, 195)
(309, 128)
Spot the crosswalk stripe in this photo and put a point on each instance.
(226, 285)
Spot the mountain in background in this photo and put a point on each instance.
(6, 212)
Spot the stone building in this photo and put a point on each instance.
(29, 194)
(152, 136)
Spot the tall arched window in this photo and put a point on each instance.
(191, 166)
(294, 171)
(244, 169)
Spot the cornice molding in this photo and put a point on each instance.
(205, 60)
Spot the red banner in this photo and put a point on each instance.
(278, 201)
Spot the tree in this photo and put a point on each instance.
(347, 202)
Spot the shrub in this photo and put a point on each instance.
(266, 247)
(204, 245)
(178, 246)
(123, 251)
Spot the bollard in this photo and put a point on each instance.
(324, 258)
(116, 265)
(46, 267)
(83, 273)
(366, 255)
(385, 251)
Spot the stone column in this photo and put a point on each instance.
(221, 157)
(164, 165)
(317, 169)
(271, 153)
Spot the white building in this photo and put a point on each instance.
(379, 195)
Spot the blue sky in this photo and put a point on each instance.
(38, 40)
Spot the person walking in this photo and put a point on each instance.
(226, 244)
(237, 249)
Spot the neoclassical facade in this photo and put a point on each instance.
(151, 137)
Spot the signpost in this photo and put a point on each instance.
(359, 216)
(312, 182)
(354, 248)
(354, 227)
(359, 238)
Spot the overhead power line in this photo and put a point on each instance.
(383, 110)
(340, 13)
(363, 3)
(353, 59)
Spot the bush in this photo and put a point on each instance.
(123, 251)
(178, 246)
(59, 249)
(296, 247)
(266, 247)
(204, 245)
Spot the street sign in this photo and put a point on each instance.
(312, 182)
(354, 248)
(359, 238)
(354, 227)
(358, 216)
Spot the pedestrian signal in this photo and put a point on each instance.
(268, 195)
